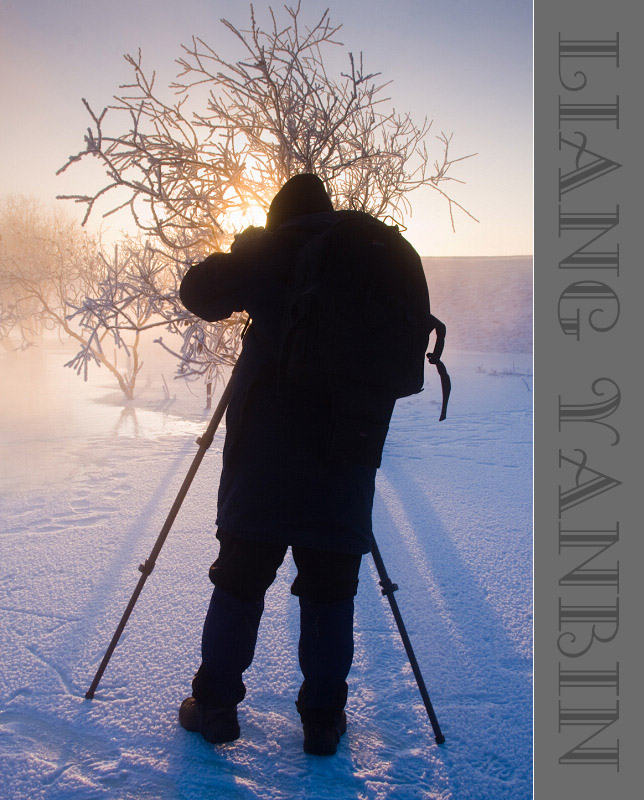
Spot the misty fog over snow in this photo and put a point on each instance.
(85, 485)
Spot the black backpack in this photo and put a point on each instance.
(356, 325)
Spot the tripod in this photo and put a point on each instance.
(387, 586)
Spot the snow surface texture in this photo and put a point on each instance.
(85, 487)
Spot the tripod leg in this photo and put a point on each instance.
(117, 635)
(388, 589)
(146, 568)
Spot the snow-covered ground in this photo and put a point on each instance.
(85, 485)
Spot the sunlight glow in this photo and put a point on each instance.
(238, 219)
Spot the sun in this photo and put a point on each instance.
(238, 219)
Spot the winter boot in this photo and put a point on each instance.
(325, 654)
(227, 648)
(322, 726)
(216, 725)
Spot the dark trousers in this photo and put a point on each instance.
(326, 584)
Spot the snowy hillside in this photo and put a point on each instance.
(84, 489)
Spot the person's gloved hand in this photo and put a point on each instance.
(246, 237)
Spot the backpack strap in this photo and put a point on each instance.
(435, 358)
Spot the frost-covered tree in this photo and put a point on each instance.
(134, 292)
(44, 258)
(49, 267)
(139, 291)
(191, 162)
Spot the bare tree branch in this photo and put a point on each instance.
(229, 134)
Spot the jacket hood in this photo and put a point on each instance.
(301, 195)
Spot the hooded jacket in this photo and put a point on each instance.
(278, 483)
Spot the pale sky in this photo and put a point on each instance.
(466, 64)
